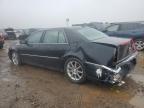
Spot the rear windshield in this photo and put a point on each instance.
(91, 34)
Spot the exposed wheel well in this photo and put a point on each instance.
(70, 56)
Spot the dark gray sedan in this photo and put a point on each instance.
(81, 52)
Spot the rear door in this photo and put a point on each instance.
(30, 51)
(54, 46)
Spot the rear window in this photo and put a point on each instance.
(91, 34)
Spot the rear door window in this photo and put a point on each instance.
(54, 37)
(51, 37)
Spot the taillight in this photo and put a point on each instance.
(124, 43)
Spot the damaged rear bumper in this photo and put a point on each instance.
(114, 75)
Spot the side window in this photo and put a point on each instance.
(35, 37)
(127, 27)
(113, 28)
(61, 38)
(51, 37)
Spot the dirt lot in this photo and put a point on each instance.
(32, 87)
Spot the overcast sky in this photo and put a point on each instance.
(53, 13)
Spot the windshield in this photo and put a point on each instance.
(91, 34)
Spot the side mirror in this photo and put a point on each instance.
(23, 42)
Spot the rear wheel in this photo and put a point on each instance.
(75, 71)
(15, 58)
(139, 44)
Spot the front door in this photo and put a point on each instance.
(29, 52)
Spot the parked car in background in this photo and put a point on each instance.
(96, 25)
(133, 30)
(18, 32)
(10, 33)
(82, 52)
(1, 40)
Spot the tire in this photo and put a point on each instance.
(15, 58)
(139, 44)
(75, 71)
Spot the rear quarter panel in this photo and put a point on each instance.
(99, 53)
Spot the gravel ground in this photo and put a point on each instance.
(32, 87)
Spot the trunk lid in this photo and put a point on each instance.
(124, 47)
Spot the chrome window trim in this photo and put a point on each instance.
(48, 43)
(51, 43)
(40, 56)
(58, 36)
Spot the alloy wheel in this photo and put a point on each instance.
(139, 45)
(74, 70)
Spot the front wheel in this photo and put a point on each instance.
(139, 45)
(15, 58)
(75, 71)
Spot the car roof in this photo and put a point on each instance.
(61, 28)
